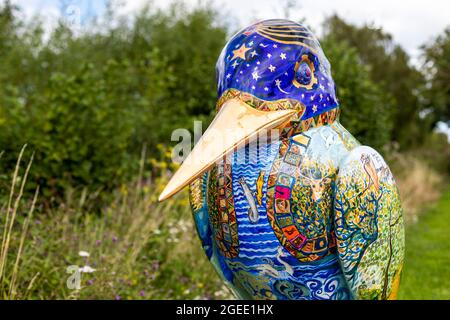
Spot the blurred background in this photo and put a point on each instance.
(90, 92)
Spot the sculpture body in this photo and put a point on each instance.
(312, 215)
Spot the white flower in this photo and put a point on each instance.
(87, 269)
(83, 254)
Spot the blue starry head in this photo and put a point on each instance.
(274, 61)
(272, 75)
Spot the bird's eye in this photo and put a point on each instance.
(304, 73)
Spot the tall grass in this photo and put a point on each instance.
(419, 184)
(136, 248)
(9, 273)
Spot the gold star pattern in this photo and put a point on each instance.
(240, 53)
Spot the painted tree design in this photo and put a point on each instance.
(369, 231)
(356, 217)
(312, 198)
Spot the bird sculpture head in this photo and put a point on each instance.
(270, 75)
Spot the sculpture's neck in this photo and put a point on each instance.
(295, 126)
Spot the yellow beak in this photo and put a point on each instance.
(235, 123)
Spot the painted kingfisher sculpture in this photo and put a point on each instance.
(310, 214)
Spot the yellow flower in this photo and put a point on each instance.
(124, 190)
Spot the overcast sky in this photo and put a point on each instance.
(411, 22)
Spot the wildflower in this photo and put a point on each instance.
(142, 293)
(183, 224)
(155, 265)
(184, 279)
(90, 282)
(115, 239)
(117, 297)
(124, 190)
(87, 269)
(83, 254)
(98, 242)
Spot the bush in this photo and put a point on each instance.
(364, 106)
(87, 104)
(80, 127)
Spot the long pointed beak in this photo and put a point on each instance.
(233, 125)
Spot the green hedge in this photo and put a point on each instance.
(86, 104)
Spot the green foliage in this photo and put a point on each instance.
(365, 109)
(390, 70)
(81, 126)
(437, 56)
(427, 247)
(86, 104)
(142, 249)
(136, 249)
(191, 45)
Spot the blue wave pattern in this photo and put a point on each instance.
(253, 244)
(263, 268)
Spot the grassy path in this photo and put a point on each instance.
(426, 273)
